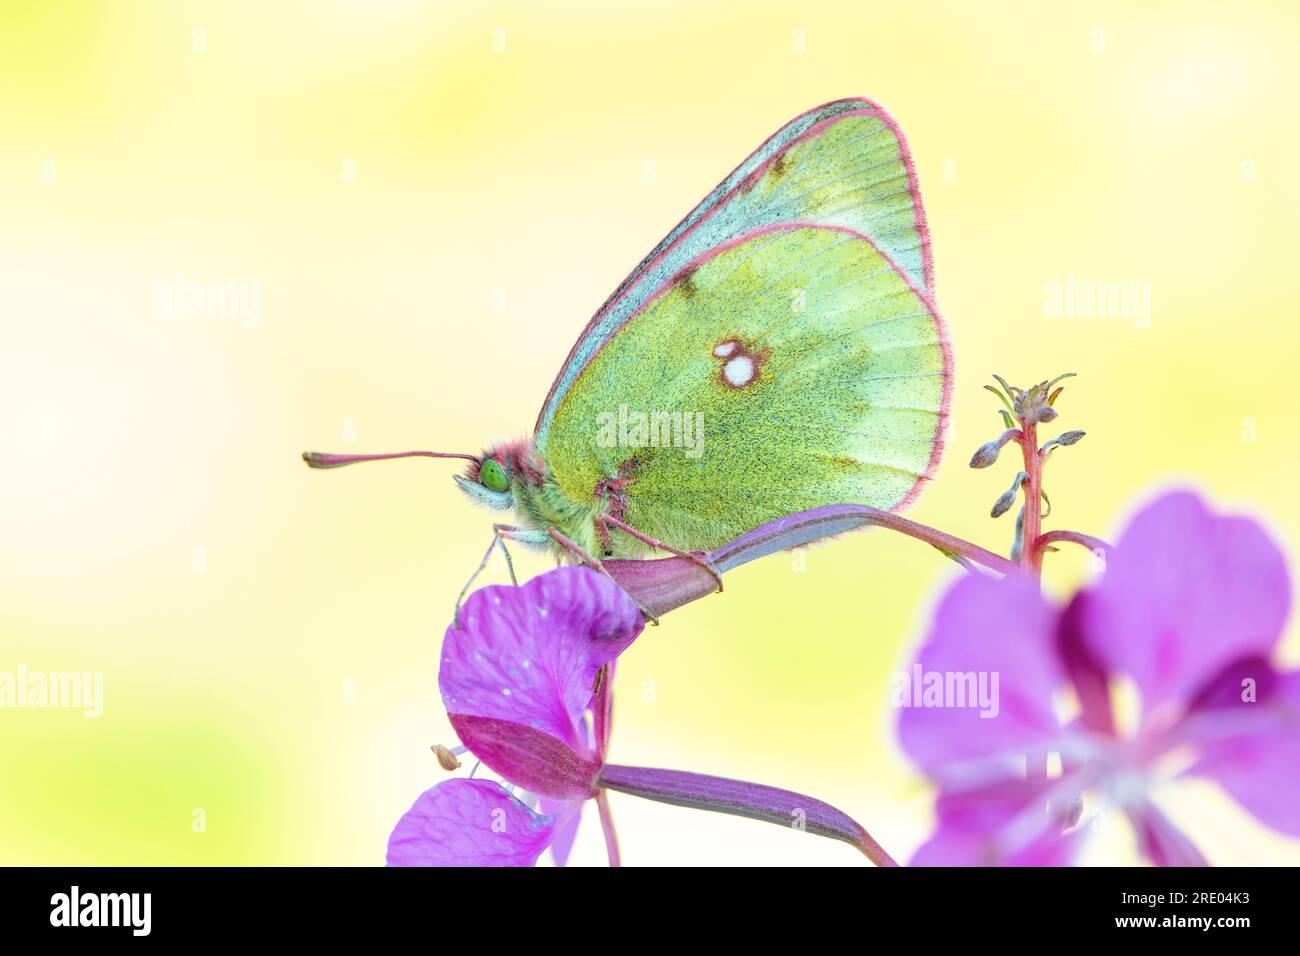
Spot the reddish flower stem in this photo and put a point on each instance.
(816, 523)
(1031, 557)
(607, 826)
(603, 708)
(1074, 537)
(942, 541)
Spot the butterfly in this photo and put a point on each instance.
(779, 350)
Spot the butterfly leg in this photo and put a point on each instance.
(500, 532)
(595, 564)
(655, 543)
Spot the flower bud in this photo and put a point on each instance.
(1003, 504)
(1018, 541)
(987, 453)
(1065, 438)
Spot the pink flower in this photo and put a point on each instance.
(518, 679)
(525, 679)
(1190, 608)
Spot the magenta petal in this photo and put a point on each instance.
(1090, 680)
(468, 823)
(1000, 633)
(567, 815)
(529, 654)
(1246, 727)
(1007, 824)
(1160, 841)
(1186, 593)
(529, 758)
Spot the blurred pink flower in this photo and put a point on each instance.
(1190, 608)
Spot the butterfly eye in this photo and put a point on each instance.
(493, 476)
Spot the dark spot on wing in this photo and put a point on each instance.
(686, 283)
(779, 167)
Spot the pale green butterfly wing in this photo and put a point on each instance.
(845, 163)
(819, 371)
(852, 170)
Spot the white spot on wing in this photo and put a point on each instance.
(723, 349)
(739, 371)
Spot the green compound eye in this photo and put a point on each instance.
(493, 476)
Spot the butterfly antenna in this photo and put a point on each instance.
(323, 459)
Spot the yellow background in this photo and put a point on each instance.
(269, 635)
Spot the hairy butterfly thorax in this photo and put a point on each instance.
(513, 476)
